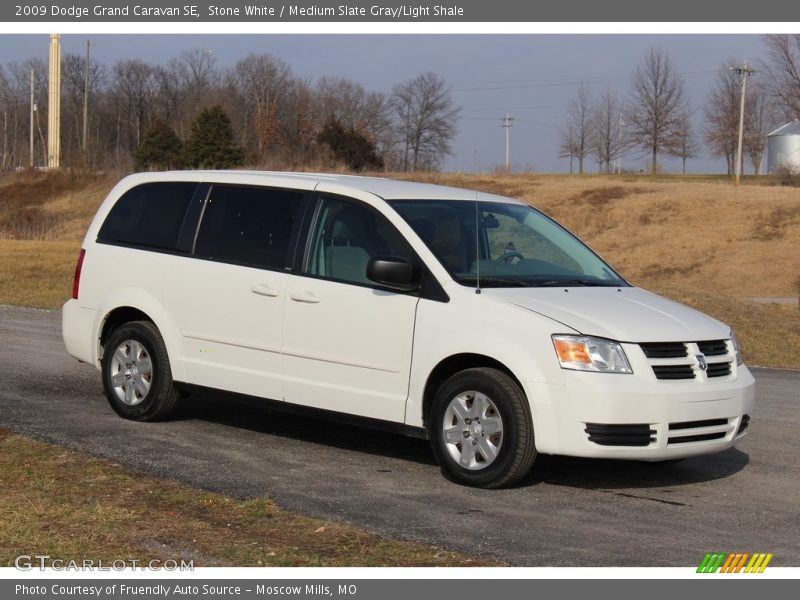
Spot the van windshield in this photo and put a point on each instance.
(505, 245)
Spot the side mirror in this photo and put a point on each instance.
(392, 272)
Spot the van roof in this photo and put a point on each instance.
(388, 189)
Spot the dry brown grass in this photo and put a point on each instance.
(68, 506)
(37, 273)
(36, 205)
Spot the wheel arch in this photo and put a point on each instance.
(138, 307)
(453, 364)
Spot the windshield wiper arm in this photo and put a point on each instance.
(490, 280)
(573, 282)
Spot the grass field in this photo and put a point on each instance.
(68, 506)
(696, 239)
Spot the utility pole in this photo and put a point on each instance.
(744, 72)
(86, 99)
(54, 104)
(33, 108)
(507, 125)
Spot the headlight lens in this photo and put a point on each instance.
(584, 353)
(737, 350)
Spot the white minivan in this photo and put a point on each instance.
(469, 319)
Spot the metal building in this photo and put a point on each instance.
(783, 148)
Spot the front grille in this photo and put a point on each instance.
(743, 424)
(664, 350)
(620, 435)
(718, 369)
(674, 361)
(713, 348)
(673, 371)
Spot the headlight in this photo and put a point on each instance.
(583, 353)
(737, 350)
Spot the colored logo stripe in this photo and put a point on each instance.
(711, 562)
(734, 562)
(758, 563)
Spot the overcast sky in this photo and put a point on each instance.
(532, 77)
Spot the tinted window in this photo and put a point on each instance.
(149, 215)
(250, 226)
(344, 239)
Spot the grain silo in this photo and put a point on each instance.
(783, 148)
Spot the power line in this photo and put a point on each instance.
(562, 82)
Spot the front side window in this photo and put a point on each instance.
(248, 226)
(504, 245)
(345, 236)
(149, 215)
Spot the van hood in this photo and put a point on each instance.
(626, 314)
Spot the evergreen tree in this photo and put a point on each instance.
(350, 147)
(160, 148)
(210, 145)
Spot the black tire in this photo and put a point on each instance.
(161, 398)
(517, 449)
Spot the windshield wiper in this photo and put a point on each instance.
(573, 282)
(492, 281)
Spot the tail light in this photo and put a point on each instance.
(76, 282)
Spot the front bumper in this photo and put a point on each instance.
(706, 414)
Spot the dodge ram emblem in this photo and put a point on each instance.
(701, 361)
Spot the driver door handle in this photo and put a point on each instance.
(306, 297)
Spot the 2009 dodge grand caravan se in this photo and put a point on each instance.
(471, 319)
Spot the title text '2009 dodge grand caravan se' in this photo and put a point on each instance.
(470, 319)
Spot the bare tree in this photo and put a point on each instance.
(782, 69)
(657, 101)
(721, 112)
(567, 144)
(757, 125)
(368, 113)
(686, 145)
(426, 120)
(263, 84)
(297, 121)
(135, 89)
(73, 75)
(577, 132)
(605, 139)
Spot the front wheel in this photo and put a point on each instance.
(481, 429)
(137, 378)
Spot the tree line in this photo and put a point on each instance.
(169, 115)
(655, 118)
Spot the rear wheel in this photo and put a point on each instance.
(137, 378)
(481, 429)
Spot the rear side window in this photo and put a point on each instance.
(249, 226)
(149, 215)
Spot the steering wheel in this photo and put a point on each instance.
(509, 256)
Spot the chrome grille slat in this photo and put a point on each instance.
(675, 361)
